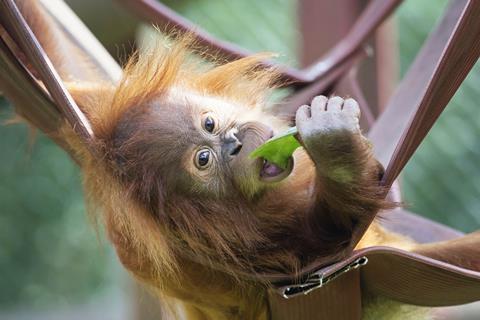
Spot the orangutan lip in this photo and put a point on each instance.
(270, 169)
(272, 173)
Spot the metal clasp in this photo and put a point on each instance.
(317, 279)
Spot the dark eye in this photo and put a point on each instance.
(202, 159)
(209, 124)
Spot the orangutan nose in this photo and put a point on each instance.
(232, 144)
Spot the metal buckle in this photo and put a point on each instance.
(317, 279)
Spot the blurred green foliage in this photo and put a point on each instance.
(267, 25)
(50, 255)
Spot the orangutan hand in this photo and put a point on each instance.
(329, 128)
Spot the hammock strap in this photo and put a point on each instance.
(18, 29)
(31, 102)
(439, 69)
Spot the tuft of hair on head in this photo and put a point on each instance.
(149, 72)
(245, 80)
(174, 61)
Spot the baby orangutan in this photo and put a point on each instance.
(201, 212)
(188, 211)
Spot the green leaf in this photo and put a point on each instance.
(279, 149)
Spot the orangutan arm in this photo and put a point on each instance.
(347, 186)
